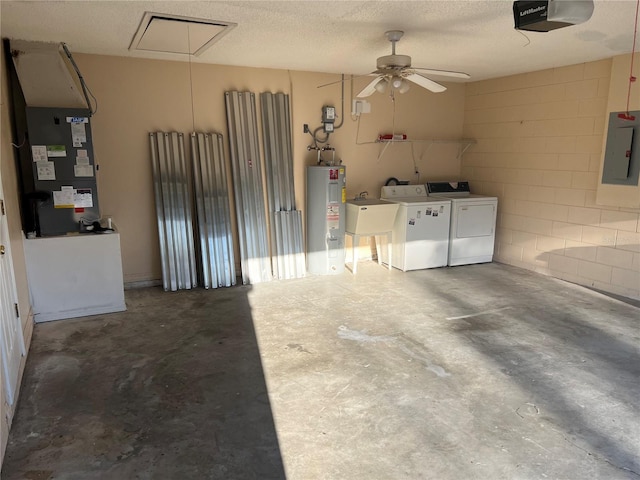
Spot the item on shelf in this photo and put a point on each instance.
(391, 137)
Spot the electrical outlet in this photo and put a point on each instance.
(360, 106)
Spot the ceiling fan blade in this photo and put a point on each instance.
(370, 89)
(426, 83)
(444, 73)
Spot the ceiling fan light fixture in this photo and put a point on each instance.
(400, 84)
(394, 72)
(381, 86)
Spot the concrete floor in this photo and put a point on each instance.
(475, 372)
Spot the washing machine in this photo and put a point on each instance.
(420, 235)
(473, 222)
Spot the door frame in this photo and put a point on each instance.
(12, 346)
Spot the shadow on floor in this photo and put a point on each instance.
(172, 388)
(482, 371)
(566, 397)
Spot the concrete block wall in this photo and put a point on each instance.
(540, 141)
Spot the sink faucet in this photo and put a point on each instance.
(362, 196)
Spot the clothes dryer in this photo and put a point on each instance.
(473, 222)
(420, 235)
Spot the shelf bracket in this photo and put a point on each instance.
(464, 146)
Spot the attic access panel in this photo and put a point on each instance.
(159, 32)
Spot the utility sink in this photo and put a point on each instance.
(370, 216)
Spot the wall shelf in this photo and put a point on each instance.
(464, 143)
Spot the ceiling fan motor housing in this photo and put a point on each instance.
(394, 61)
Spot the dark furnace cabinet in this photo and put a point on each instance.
(64, 197)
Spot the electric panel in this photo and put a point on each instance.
(622, 154)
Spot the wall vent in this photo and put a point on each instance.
(160, 32)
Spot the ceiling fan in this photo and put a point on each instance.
(394, 72)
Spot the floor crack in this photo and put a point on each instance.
(595, 455)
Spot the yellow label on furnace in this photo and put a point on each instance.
(344, 194)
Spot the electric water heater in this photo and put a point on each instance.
(326, 197)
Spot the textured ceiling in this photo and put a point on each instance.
(476, 37)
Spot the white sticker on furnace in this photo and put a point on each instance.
(78, 133)
(83, 170)
(46, 170)
(39, 153)
(63, 198)
(83, 198)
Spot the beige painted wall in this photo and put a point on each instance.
(10, 191)
(138, 96)
(620, 195)
(540, 140)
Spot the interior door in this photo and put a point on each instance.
(12, 342)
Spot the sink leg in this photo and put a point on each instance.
(389, 249)
(354, 253)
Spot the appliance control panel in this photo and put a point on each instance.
(403, 191)
(448, 187)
